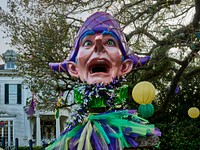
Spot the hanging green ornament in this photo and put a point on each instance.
(56, 113)
(146, 110)
(77, 96)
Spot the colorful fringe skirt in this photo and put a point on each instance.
(114, 130)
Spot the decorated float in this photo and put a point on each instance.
(100, 59)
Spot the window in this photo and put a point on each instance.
(6, 130)
(10, 65)
(13, 94)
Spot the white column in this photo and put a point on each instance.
(9, 133)
(38, 131)
(58, 127)
(13, 126)
(32, 126)
(2, 132)
(29, 129)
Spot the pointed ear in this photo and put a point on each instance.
(72, 69)
(126, 66)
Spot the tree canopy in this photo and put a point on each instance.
(168, 31)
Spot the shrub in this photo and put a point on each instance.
(28, 148)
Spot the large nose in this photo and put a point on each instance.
(99, 43)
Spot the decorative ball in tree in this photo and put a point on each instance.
(144, 92)
(193, 112)
(146, 111)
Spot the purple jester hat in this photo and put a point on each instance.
(101, 22)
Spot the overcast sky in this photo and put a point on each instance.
(3, 41)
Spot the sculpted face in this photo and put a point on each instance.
(99, 59)
(100, 52)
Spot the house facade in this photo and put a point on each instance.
(14, 122)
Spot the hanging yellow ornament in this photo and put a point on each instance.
(58, 102)
(193, 112)
(144, 92)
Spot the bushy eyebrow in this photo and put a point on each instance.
(110, 33)
(86, 34)
(103, 33)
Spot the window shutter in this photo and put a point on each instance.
(19, 94)
(6, 94)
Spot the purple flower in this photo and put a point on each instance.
(177, 90)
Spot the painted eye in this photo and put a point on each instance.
(87, 43)
(111, 43)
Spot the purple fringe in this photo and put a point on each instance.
(95, 140)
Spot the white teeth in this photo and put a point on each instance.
(100, 61)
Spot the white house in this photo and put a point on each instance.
(14, 122)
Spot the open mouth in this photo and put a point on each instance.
(99, 66)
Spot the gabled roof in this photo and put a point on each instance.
(9, 56)
(10, 53)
